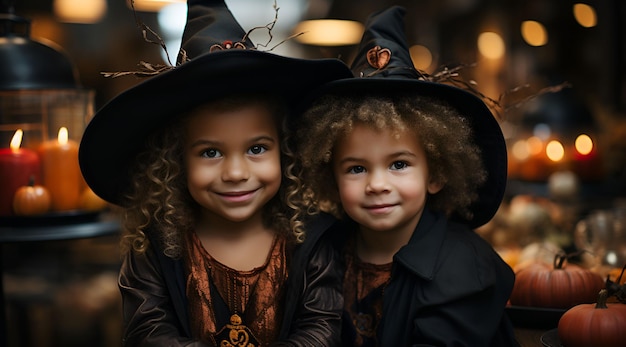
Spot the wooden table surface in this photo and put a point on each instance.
(529, 337)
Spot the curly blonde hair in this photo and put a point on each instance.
(453, 159)
(159, 201)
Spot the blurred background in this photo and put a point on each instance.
(553, 72)
(534, 41)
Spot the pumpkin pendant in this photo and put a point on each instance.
(378, 57)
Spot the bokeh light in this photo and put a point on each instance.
(585, 15)
(534, 33)
(421, 57)
(491, 45)
(583, 144)
(555, 150)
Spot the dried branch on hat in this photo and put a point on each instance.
(270, 26)
(451, 75)
(148, 69)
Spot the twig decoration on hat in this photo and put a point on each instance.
(149, 69)
(384, 53)
(270, 26)
(452, 76)
(146, 29)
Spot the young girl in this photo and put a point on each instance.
(414, 165)
(217, 252)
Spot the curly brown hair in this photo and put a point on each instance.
(160, 203)
(453, 159)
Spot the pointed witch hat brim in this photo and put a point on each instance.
(220, 64)
(383, 66)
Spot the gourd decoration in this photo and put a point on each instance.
(555, 286)
(31, 200)
(599, 325)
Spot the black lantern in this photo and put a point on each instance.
(41, 102)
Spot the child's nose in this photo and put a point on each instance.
(377, 183)
(235, 169)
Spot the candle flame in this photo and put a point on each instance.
(16, 141)
(62, 138)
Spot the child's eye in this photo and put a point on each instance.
(257, 149)
(211, 153)
(398, 165)
(356, 169)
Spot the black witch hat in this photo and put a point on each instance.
(383, 65)
(216, 60)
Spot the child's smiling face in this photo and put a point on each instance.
(383, 178)
(232, 160)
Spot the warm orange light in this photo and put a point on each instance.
(16, 141)
(491, 45)
(150, 5)
(421, 57)
(535, 145)
(583, 144)
(585, 15)
(555, 150)
(329, 32)
(534, 33)
(521, 150)
(80, 11)
(63, 136)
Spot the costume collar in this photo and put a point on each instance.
(421, 254)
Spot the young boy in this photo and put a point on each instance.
(413, 166)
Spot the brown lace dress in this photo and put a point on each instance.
(363, 290)
(253, 298)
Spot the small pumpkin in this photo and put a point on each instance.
(555, 285)
(31, 200)
(598, 325)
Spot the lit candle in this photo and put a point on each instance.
(61, 173)
(17, 166)
(587, 162)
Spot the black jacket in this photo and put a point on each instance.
(448, 288)
(155, 305)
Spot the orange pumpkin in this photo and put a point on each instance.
(598, 325)
(556, 285)
(31, 200)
